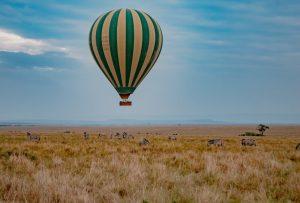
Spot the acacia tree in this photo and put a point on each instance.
(262, 128)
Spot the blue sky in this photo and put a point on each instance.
(234, 61)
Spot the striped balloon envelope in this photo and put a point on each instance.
(125, 43)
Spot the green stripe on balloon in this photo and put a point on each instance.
(154, 51)
(162, 41)
(129, 43)
(158, 49)
(145, 45)
(91, 46)
(113, 41)
(94, 55)
(100, 47)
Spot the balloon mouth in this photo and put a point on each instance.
(124, 96)
(125, 101)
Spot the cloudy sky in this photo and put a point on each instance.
(234, 61)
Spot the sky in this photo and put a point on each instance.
(231, 61)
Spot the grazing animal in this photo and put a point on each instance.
(125, 135)
(298, 146)
(144, 141)
(101, 135)
(215, 142)
(173, 137)
(35, 138)
(118, 135)
(86, 135)
(248, 142)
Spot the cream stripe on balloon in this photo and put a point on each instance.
(156, 54)
(121, 32)
(106, 46)
(95, 49)
(137, 44)
(150, 48)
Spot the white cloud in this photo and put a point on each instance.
(12, 42)
(46, 69)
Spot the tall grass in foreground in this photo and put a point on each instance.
(66, 168)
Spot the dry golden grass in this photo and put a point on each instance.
(67, 168)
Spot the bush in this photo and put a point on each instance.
(250, 134)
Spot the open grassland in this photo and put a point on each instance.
(67, 168)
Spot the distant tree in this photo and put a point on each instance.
(262, 128)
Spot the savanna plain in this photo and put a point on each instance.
(65, 167)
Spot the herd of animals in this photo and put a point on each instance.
(144, 141)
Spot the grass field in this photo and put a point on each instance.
(67, 168)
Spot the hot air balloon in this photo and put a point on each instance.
(125, 44)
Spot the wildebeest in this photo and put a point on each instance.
(173, 137)
(298, 146)
(35, 138)
(248, 142)
(86, 135)
(144, 141)
(215, 142)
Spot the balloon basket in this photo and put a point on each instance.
(125, 103)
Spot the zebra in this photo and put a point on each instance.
(144, 141)
(101, 135)
(248, 142)
(35, 138)
(118, 136)
(173, 137)
(125, 135)
(86, 135)
(215, 142)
